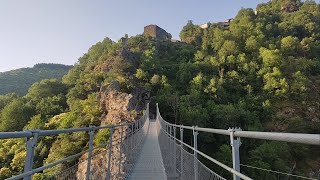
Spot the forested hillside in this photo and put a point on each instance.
(261, 73)
(19, 80)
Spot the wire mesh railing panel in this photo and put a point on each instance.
(116, 158)
(68, 174)
(178, 158)
(165, 147)
(77, 171)
(132, 148)
(125, 148)
(205, 173)
(178, 162)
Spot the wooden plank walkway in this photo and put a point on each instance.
(149, 165)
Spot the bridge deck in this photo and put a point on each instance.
(150, 165)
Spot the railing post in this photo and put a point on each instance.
(108, 176)
(174, 152)
(120, 156)
(31, 144)
(91, 135)
(166, 128)
(181, 152)
(170, 149)
(157, 113)
(139, 123)
(235, 144)
(138, 137)
(134, 145)
(131, 138)
(195, 146)
(136, 126)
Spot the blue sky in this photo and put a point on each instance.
(61, 31)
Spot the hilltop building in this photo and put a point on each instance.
(204, 26)
(175, 40)
(223, 24)
(227, 22)
(156, 32)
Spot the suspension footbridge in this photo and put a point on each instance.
(146, 149)
(149, 164)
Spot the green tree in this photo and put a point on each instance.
(275, 83)
(52, 105)
(5, 173)
(6, 99)
(18, 161)
(36, 122)
(101, 137)
(15, 115)
(273, 155)
(191, 33)
(155, 80)
(64, 146)
(270, 58)
(45, 88)
(289, 45)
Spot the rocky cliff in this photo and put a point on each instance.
(118, 107)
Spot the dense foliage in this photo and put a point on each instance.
(19, 80)
(261, 72)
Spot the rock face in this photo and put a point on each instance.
(288, 6)
(118, 105)
(118, 108)
(156, 32)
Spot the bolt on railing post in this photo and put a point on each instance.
(195, 146)
(174, 152)
(235, 144)
(108, 176)
(120, 156)
(31, 144)
(181, 152)
(91, 135)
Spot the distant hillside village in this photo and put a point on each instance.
(157, 32)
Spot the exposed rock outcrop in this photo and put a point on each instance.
(119, 105)
(118, 108)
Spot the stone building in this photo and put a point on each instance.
(156, 32)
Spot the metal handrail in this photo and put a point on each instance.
(21, 134)
(32, 138)
(313, 139)
(27, 134)
(235, 134)
(29, 173)
(208, 157)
